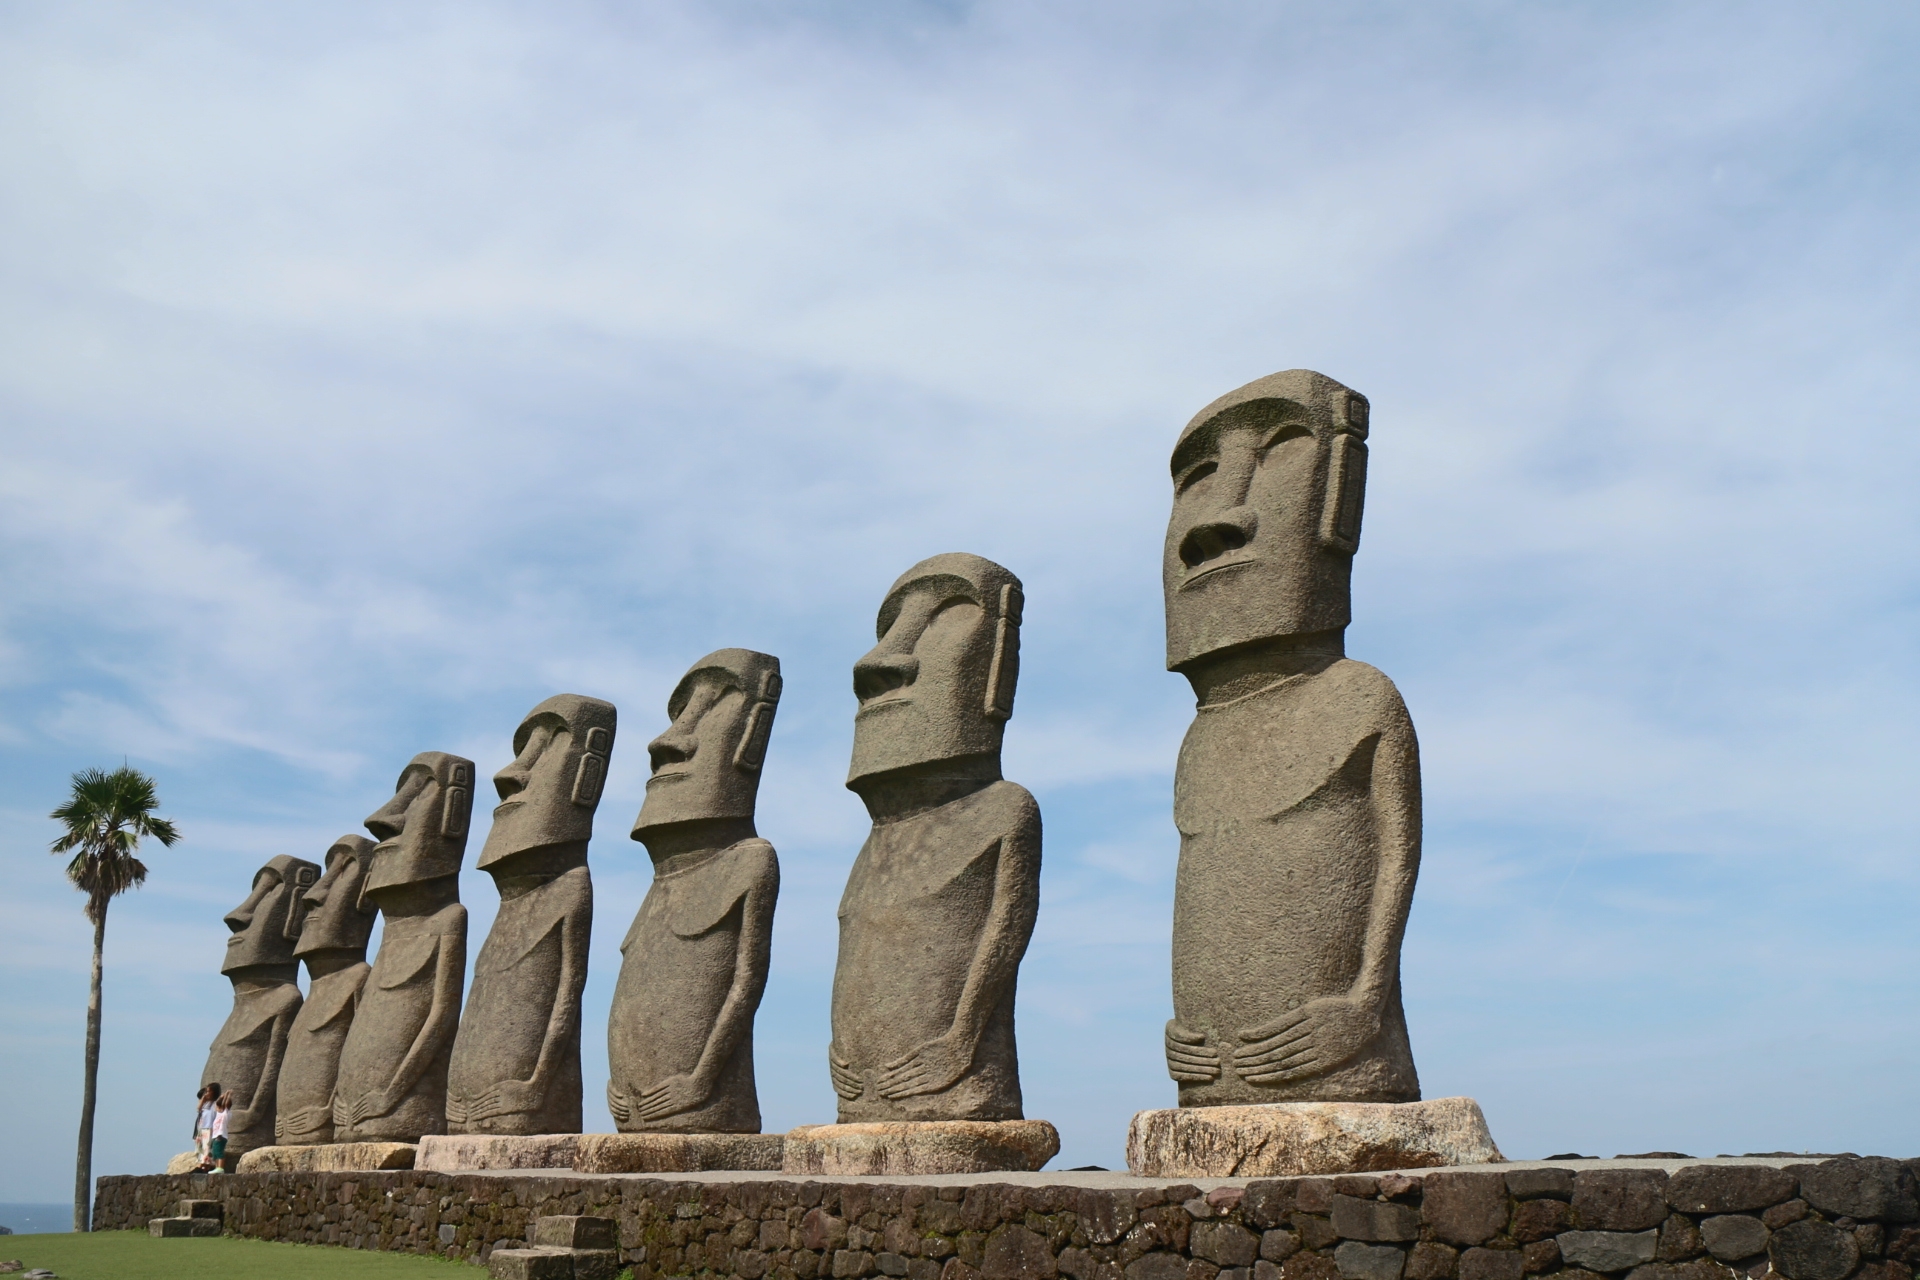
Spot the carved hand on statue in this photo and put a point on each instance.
(1316, 1037)
(1190, 1059)
(670, 1097)
(931, 1068)
(618, 1103)
(509, 1097)
(846, 1082)
(374, 1102)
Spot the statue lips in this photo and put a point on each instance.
(1238, 562)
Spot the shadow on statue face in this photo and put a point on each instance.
(707, 763)
(265, 927)
(336, 917)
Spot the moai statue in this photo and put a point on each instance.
(693, 966)
(333, 942)
(516, 1060)
(393, 1069)
(1297, 793)
(246, 1056)
(942, 898)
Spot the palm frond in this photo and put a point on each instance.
(105, 818)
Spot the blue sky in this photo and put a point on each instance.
(369, 374)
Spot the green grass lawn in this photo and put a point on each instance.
(135, 1255)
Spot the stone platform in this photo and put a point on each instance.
(1287, 1139)
(905, 1148)
(678, 1152)
(1798, 1217)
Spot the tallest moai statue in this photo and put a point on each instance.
(1297, 798)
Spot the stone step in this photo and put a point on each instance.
(174, 1228)
(575, 1232)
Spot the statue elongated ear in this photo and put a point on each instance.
(592, 774)
(1004, 674)
(752, 751)
(303, 878)
(1346, 494)
(459, 805)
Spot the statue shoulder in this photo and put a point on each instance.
(704, 897)
(754, 861)
(1001, 806)
(1359, 694)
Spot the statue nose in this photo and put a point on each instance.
(671, 747)
(882, 673)
(1209, 541)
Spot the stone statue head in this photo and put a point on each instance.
(1268, 484)
(423, 829)
(549, 792)
(939, 685)
(337, 920)
(266, 926)
(707, 763)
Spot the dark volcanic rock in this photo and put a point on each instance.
(1619, 1199)
(1464, 1208)
(1702, 1188)
(1813, 1250)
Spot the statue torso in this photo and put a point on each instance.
(395, 1006)
(916, 903)
(238, 1058)
(677, 965)
(305, 1112)
(1279, 854)
(518, 978)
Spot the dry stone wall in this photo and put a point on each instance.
(1842, 1219)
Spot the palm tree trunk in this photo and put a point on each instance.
(83, 1164)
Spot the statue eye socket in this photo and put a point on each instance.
(1291, 431)
(1195, 475)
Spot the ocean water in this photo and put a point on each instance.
(32, 1219)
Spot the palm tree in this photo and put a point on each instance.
(105, 818)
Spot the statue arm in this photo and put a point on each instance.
(735, 1019)
(749, 981)
(934, 1066)
(1396, 818)
(563, 1024)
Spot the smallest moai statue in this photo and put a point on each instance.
(393, 1069)
(694, 964)
(246, 1056)
(333, 943)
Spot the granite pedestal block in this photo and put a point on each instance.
(1289, 1139)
